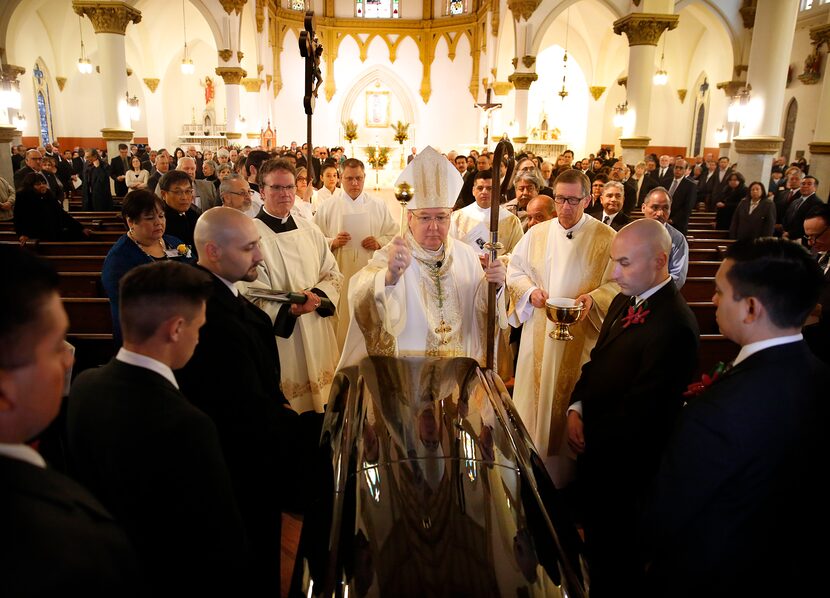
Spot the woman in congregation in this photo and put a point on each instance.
(755, 215)
(735, 192)
(136, 177)
(209, 170)
(144, 243)
(222, 170)
(304, 207)
(38, 214)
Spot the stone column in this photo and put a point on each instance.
(231, 69)
(525, 74)
(759, 140)
(521, 81)
(820, 147)
(730, 90)
(232, 76)
(7, 134)
(643, 31)
(110, 20)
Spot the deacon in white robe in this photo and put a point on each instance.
(425, 294)
(296, 258)
(356, 225)
(567, 257)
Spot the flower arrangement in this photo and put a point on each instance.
(184, 250)
(401, 131)
(350, 130)
(378, 156)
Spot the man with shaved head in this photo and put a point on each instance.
(234, 377)
(624, 405)
(540, 209)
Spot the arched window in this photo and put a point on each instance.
(44, 103)
(377, 9)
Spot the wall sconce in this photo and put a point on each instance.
(619, 116)
(132, 104)
(737, 107)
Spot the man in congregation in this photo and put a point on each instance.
(205, 195)
(626, 400)
(119, 165)
(566, 257)
(154, 459)
(817, 236)
(96, 183)
(33, 163)
(259, 433)
(611, 201)
(352, 211)
(296, 258)
(657, 206)
(739, 497)
(540, 209)
(425, 294)
(176, 191)
(162, 165)
(682, 192)
(235, 193)
(57, 538)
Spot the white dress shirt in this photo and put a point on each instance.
(753, 348)
(148, 363)
(22, 452)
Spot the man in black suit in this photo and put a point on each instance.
(96, 184)
(176, 190)
(119, 166)
(719, 182)
(683, 193)
(626, 400)
(152, 458)
(799, 208)
(234, 377)
(629, 190)
(33, 164)
(57, 538)
(611, 201)
(740, 496)
(817, 235)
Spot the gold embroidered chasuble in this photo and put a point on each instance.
(471, 225)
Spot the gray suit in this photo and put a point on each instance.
(207, 193)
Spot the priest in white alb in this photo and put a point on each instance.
(296, 258)
(355, 225)
(567, 257)
(424, 294)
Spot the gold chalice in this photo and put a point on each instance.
(562, 312)
(404, 193)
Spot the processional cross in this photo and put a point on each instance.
(311, 50)
(488, 106)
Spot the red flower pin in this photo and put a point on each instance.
(697, 388)
(636, 316)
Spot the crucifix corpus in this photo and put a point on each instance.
(311, 50)
(488, 106)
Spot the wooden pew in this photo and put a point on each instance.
(698, 288)
(103, 236)
(709, 243)
(76, 263)
(705, 313)
(88, 315)
(703, 268)
(80, 284)
(704, 255)
(80, 248)
(707, 234)
(714, 348)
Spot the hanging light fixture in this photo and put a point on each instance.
(132, 104)
(661, 77)
(84, 65)
(738, 106)
(563, 93)
(620, 113)
(187, 63)
(721, 135)
(20, 121)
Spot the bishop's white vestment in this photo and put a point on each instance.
(471, 224)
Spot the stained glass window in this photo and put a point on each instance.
(377, 9)
(298, 5)
(456, 7)
(44, 105)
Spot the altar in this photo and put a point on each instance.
(549, 150)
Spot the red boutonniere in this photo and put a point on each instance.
(697, 388)
(636, 316)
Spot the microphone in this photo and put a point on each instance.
(569, 234)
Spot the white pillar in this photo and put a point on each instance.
(643, 31)
(759, 140)
(820, 147)
(7, 134)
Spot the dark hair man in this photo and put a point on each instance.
(151, 457)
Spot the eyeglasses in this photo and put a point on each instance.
(617, 169)
(812, 238)
(281, 188)
(180, 192)
(241, 193)
(573, 201)
(427, 220)
(301, 179)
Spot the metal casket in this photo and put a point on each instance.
(430, 486)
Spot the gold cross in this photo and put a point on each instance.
(443, 328)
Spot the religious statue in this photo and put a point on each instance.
(210, 91)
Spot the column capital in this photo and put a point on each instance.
(816, 147)
(758, 144)
(252, 85)
(10, 72)
(644, 29)
(522, 80)
(596, 91)
(107, 17)
(231, 75)
(634, 142)
(820, 34)
(522, 9)
(748, 13)
(8, 133)
(731, 88)
(233, 5)
(233, 135)
(117, 134)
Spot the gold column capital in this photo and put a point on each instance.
(107, 17)
(231, 75)
(8, 133)
(10, 72)
(816, 147)
(233, 5)
(522, 80)
(596, 91)
(644, 29)
(152, 84)
(758, 144)
(252, 85)
(522, 9)
(748, 13)
(820, 34)
(731, 88)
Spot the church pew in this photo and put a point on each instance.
(707, 234)
(80, 284)
(88, 315)
(703, 268)
(704, 312)
(76, 263)
(77, 248)
(714, 348)
(698, 288)
(91, 350)
(704, 255)
(109, 236)
(709, 243)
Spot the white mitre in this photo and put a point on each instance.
(436, 181)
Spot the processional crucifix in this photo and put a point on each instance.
(488, 106)
(311, 50)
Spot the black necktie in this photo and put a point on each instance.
(824, 260)
(606, 220)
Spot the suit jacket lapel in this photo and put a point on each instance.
(654, 302)
(615, 312)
